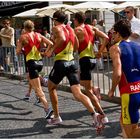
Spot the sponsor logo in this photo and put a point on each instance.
(125, 114)
(134, 69)
(135, 88)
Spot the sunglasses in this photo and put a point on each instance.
(6, 23)
(127, 12)
(54, 18)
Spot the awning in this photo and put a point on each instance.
(13, 8)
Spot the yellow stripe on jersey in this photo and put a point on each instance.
(125, 98)
(34, 54)
(88, 51)
(66, 54)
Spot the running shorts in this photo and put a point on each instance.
(64, 68)
(130, 108)
(34, 67)
(87, 64)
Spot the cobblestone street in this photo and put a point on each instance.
(23, 119)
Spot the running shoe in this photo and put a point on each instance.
(48, 113)
(105, 120)
(97, 122)
(54, 121)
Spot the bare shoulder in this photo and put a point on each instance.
(90, 26)
(78, 31)
(23, 37)
(114, 50)
(95, 28)
(56, 29)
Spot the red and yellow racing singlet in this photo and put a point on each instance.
(32, 49)
(86, 46)
(65, 52)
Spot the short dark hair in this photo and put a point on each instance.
(123, 27)
(80, 17)
(131, 8)
(60, 16)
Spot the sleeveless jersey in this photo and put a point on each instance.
(130, 59)
(65, 52)
(86, 46)
(32, 49)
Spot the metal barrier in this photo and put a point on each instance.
(101, 76)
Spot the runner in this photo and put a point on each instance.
(31, 41)
(86, 34)
(126, 73)
(64, 42)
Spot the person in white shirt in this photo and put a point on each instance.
(135, 23)
(8, 46)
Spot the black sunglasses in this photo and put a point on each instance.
(126, 12)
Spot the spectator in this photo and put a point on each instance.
(99, 43)
(135, 24)
(8, 46)
(45, 33)
(94, 22)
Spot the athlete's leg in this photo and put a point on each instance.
(29, 86)
(123, 131)
(79, 96)
(131, 130)
(130, 114)
(86, 66)
(53, 96)
(87, 84)
(38, 90)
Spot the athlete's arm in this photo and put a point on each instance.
(58, 39)
(49, 45)
(46, 41)
(76, 44)
(20, 43)
(105, 39)
(58, 36)
(117, 70)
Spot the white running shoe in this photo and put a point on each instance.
(105, 120)
(55, 121)
(97, 122)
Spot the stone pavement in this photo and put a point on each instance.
(23, 119)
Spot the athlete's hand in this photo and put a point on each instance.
(110, 93)
(98, 55)
(48, 53)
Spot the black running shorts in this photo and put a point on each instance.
(64, 68)
(34, 67)
(87, 64)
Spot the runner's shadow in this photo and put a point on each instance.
(109, 132)
(38, 128)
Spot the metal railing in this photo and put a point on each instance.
(101, 75)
